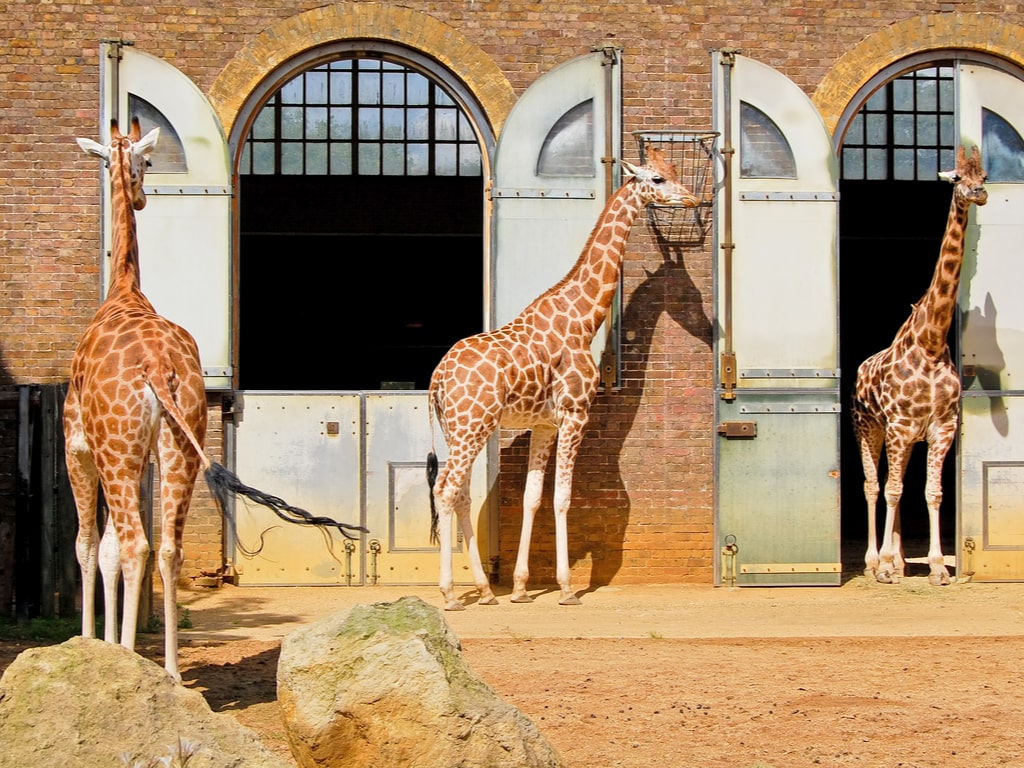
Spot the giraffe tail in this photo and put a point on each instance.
(431, 479)
(223, 482)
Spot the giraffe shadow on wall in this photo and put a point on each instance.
(987, 358)
(663, 318)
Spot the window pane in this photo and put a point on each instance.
(418, 127)
(394, 160)
(928, 129)
(855, 133)
(466, 132)
(441, 98)
(946, 136)
(394, 124)
(445, 125)
(879, 100)
(903, 95)
(878, 130)
(369, 88)
(853, 164)
(927, 96)
(369, 159)
(394, 88)
(263, 126)
(877, 167)
(903, 164)
(291, 93)
(927, 164)
(946, 95)
(418, 159)
(369, 123)
(341, 159)
(263, 158)
(470, 160)
(341, 87)
(291, 159)
(316, 159)
(1002, 148)
(316, 123)
(764, 151)
(568, 149)
(445, 160)
(903, 130)
(341, 123)
(291, 122)
(316, 87)
(417, 89)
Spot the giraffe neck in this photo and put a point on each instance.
(124, 268)
(587, 290)
(933, 315)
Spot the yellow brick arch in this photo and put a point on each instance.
(939, 31)
(360, 21)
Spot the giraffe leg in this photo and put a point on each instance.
(451, 497)
(84, 480)
(464, 511)
(569, 439)
(110, 570)
(938, 574)
(870, 442)
(542, 439)
(897, 452)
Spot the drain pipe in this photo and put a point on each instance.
(727, 361)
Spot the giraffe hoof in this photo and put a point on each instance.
(523, 598)
(570, 600)
(491, 600)
(939, 579)
(454, 605)
(885, 577)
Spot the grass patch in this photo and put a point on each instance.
(37, 629)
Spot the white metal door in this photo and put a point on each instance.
(777, 411)
(184, 231)
(991, 520)
(550, 178)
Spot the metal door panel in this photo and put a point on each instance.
(781, 514)
(776, 296)
(991, 519)
(542, 222)
(307, 449)
(184, 231)
(397, 496)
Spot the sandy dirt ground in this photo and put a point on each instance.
(858, 675)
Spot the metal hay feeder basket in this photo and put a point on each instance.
(693, 155)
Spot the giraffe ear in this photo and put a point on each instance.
(91, 147)
(950, 176)
(630, 169)
(147, 143)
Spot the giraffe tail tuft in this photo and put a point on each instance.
(223, 482)
(431, 479)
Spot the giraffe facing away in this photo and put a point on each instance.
(910, 392)
(136, 386)
(535, 373)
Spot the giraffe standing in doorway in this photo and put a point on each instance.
(137, 386)
(910, 392)
(536, 373)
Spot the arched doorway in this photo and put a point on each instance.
(361, 222)
(900, 130)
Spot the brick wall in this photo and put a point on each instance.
(643, 507)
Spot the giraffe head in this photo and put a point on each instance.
(969, 178)
(658, 182)
(126, 155)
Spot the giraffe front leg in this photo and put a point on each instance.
(569, 439)
(938, 574)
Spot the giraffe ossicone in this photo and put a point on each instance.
(910, 392)
(136, 387)
(535, 373)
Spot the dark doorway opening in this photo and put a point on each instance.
(355, 282)
(890, 235)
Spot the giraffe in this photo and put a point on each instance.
(136, 387)
(910, 392)
(535, 373)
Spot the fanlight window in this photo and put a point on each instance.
(169, 155)
(764, 151)
(1002, 149)
(568, 149)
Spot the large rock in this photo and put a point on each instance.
(88, 703)
(386, 685)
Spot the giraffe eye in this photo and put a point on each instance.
(658, 179)
(149, 164)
